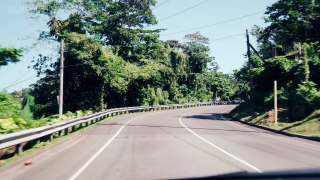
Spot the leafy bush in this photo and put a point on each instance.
(13, 118)
(9, 106)
(8, 126)
(308, 94)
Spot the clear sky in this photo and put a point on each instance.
(19, 30)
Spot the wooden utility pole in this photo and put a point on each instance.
(275, 103)
(248, 46)
(249, 56)
(61, 77)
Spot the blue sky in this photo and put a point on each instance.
(19, 30)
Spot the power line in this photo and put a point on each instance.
(214, 24)
(175, 14)
(17, 82)
(228, 37)
(160, 4)
(12, 85)
(22, 76)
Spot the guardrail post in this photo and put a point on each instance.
(73, 128)
(66, 131)
(38, 141)
(19, 149)
(50, 137)
(59, 133)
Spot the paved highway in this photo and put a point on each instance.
(180, 143)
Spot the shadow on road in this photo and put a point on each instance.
(177, 127)
(208, 116)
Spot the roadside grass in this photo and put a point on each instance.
(309, 126)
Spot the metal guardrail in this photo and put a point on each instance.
(17, 139)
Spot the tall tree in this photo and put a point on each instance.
(290, 21)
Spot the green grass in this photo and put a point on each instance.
(309, 126)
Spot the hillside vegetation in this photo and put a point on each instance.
(289, 52)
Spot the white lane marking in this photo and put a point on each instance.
(275, 136)
(100, 151)
(220, 149)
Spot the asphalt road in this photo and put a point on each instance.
(180, 143)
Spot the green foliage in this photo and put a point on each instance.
(116, 23)
(289, 22)
(10, 106)
(9, 55)
(308, 95)
(27, 111)
(13, 118)
(8, 125)
(149, 97)
(112, 61)
(293, 31)
(10, 115)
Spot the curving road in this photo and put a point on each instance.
(180, 143)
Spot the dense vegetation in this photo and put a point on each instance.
(290, 51)
(111, 60)
(16, 113)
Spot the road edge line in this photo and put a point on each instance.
(271, 135)
(220, 149)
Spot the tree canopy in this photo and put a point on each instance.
(9, 55)
(292, 32)
(112, 60)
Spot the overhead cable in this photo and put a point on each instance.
(214, 24)
(180, 12)
(160, 4)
